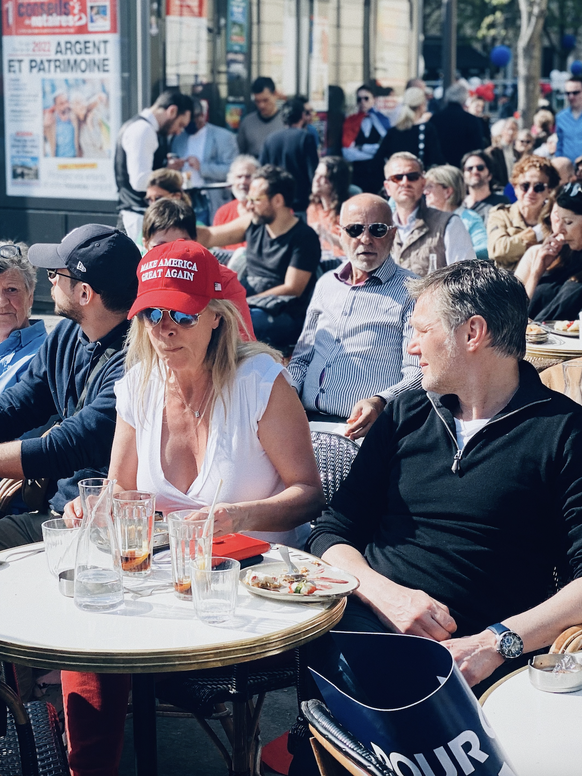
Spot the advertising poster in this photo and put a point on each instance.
(186, 42)
(236, 36)
(62, 98)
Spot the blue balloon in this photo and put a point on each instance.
(576, 67)
(568, 42)
(501, 56)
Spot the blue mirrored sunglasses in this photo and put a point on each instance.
(153, 316)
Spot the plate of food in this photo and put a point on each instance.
(563, 328)
(316, 581)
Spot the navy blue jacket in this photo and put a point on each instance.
(81, 445)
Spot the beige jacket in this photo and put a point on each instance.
(504, 227)
(427, 236)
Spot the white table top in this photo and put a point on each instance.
(42, 628)
(539, 731)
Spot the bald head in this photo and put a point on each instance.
(367, 252)
(565, 169)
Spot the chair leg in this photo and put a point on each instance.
(240, 749)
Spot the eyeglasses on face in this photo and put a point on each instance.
(525, 140)
(478, 167)
(537, 187)
(572, 94)
(376, 230)
(153, 316)
(52, 273)
(364, 98)
(400, 176)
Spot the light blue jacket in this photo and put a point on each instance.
(476, 229)
(16, 352)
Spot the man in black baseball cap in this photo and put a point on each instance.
(94, 283)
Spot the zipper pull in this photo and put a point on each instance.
(457, 462)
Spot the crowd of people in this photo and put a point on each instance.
(396, 281)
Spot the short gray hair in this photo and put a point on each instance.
(468, 288)
(241, 159)
(457, 93)
(450, 177)
(407, 157)
(20, 263)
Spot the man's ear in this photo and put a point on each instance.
(172, 112)
(477, 333)
(85, 293)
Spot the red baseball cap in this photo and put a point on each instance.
(181, 275)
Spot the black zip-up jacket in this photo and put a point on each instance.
(479, 530)
(81, 445)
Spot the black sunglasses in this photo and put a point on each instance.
(153, 316)
(376, 230)
(537, 187)
(364, 98)
(478, 167)
(400, 176)
(52, 273)
(572, 94)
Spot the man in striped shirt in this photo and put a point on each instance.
(352, 357)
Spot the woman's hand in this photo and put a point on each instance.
(547, 254)
(73, 509)
(228, 518)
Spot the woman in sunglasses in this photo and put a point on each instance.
(196, 405)
(512, 229)
(552, 271)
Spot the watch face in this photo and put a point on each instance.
(510, 645)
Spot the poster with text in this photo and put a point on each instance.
(186, 42)
(62, 98)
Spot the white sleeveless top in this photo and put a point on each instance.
(234, 452)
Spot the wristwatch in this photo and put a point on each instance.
(509, 644)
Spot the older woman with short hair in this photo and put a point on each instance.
(19, 339)
(512, 229)
(445, 190)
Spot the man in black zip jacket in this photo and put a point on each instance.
(71, 379)
(467, 495)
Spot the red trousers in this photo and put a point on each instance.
(95, 708)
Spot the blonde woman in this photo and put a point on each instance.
(196, 405)
(445, 190)
(411, 133)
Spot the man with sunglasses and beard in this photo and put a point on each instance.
(478, 172)
(426, 238)
(568, 121)
(352, 356)
(71, 378)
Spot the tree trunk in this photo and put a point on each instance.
(529, 57)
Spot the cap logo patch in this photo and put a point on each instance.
(81, 267)
(217, 287)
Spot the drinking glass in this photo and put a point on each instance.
(189, 540)
(215, 588)
(133, 512)
(60, 539)
(98, 582)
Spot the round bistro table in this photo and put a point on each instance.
(149, 634)
(539, 731)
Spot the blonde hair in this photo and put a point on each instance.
(412, 100)
(226, 351)
(170, 181)
(447, 176)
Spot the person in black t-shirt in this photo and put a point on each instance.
(282, 256)
(478, 172)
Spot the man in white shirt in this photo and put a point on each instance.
(141, 148)
(427, 238)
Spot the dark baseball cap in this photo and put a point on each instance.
(96, 254)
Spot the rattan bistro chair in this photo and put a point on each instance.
(337, 752)
(203, 694)
(30, 734)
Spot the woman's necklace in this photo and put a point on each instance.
(198, 413)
